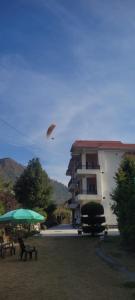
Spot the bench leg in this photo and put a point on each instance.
(21, 254)
(3, 253)
(25, 256)
(35, 254)
(12, 251)
(30, 255)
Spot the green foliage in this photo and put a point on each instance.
(2, 208)
(7, 198)
(51, 208)
(33, 188)
(10, 170)
(123, 198)
(92, 208)
(92, 218)
(40, 211)
(1, 184)
(51, 219)
(6, 186)
(129, 284)
(62, 213)
(60, 192)
(93, 229)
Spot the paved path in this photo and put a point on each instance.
(60, 230)
(68, 230)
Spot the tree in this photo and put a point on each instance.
(2, 208)
(62, 214)
(1, 184)
(51, 219)
(33, 187)
(51, 208)
(7, 199)
(123, 198)
(41, 211)
(8, 187)
(92, 218)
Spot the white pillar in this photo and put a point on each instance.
(99, 189)
(84, 184)
(83, 160)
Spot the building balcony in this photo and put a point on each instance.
(87, 192)
(72, 185)
(87, 169)
(72, 204)
(88, 166)
(86, 172)
(92, 165)
(87, 195)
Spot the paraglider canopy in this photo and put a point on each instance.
(50, 130)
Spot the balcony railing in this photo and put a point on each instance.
(72, 181)
(87, 192)
(88, 166)
(92, 165)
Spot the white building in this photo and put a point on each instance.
(92, 168)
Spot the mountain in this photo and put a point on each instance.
(61, 193)
(11, 170)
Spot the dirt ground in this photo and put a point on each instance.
(67, 269)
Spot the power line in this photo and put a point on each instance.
(18, 131)
(14, 128)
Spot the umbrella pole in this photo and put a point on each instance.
(29, 228)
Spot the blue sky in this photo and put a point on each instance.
(71, 63)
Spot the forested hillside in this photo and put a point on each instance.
(10, 170)
(61, 193)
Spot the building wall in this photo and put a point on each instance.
(109, 161)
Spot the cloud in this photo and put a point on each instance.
(94, 101)
(80, 112)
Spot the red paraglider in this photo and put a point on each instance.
(49, 130)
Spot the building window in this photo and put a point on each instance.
(92, 161)
(92, 185)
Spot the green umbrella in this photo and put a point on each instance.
(21, 216)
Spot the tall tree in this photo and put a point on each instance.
(7, 199)
(2, 208)
(123, 198)
(1, 184)
(33, 188)
(62, 214)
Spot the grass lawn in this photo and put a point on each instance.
(67, 269)
(114, 248)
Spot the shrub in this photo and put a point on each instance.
(94, 229)
(92, 209)
(123, 198)
(92, 218)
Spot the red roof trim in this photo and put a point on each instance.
(102, 145)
